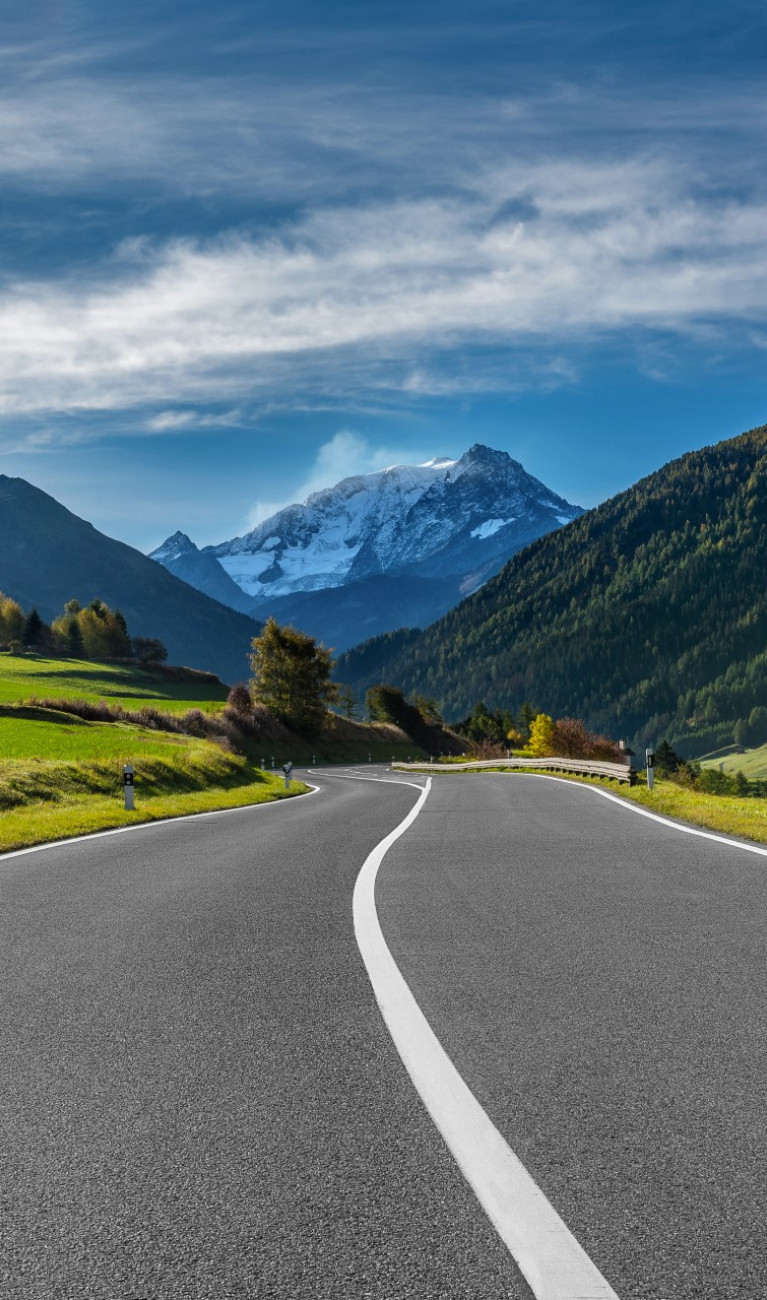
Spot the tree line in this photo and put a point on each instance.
(91, 632)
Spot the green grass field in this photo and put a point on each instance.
(59, 736)
(24, 677)
(62, 776)
(44, 799)
(751, 762)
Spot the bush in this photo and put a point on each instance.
(239, 701)
(194, 722)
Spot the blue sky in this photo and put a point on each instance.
(248, 248)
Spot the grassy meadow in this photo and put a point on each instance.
(751, 762)
(30, 676)
(61, 775)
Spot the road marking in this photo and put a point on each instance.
(554, 1264)
(145, 826)
(353, 776)
(655, 817)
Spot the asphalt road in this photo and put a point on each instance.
(198, 1096)
(599, 981)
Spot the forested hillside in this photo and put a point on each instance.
(647, 616)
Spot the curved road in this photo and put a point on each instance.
(199, 1097)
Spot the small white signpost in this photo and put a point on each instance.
(649, 755)
(288, 770)
(128, 786)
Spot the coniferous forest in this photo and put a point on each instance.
(647, 616)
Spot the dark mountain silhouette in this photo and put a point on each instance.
(49, 556)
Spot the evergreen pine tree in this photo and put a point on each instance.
(32, 632)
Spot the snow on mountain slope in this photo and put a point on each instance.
(447, 518)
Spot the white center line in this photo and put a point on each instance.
(554, 1264)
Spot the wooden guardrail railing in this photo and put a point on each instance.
(579, 766)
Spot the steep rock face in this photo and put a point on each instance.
(458, 519)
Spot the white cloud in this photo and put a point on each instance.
(183, 421)
(380, 295)
(343, 456)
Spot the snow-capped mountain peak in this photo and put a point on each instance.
(376, 551)
(173, 548)
(445, 517)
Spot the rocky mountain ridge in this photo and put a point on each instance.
(400, 545)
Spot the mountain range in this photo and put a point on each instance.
(378, 551)
(646, 616)
(49, 556)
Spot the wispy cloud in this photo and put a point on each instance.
(390, 288)
(185, 421)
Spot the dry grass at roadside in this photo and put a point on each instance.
(43, 801)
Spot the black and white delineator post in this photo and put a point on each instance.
(128, 786)
(288, 770)
(649, 756)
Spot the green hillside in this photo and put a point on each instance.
(751, 762)
(27, 676)
(647, 616)
(50, 556)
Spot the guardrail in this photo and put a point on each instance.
(579, 766)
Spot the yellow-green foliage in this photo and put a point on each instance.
(291, 676)
(11, 620)
(541, 735)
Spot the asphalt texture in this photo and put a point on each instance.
(599, 981)
(198, 1096)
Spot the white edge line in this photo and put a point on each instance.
(551, 1259)
(144, 826)
(656, 817)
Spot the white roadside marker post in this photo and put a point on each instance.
(288, 770)
(128, 786)
(263, 764)
(272, 762)
(649, 755)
